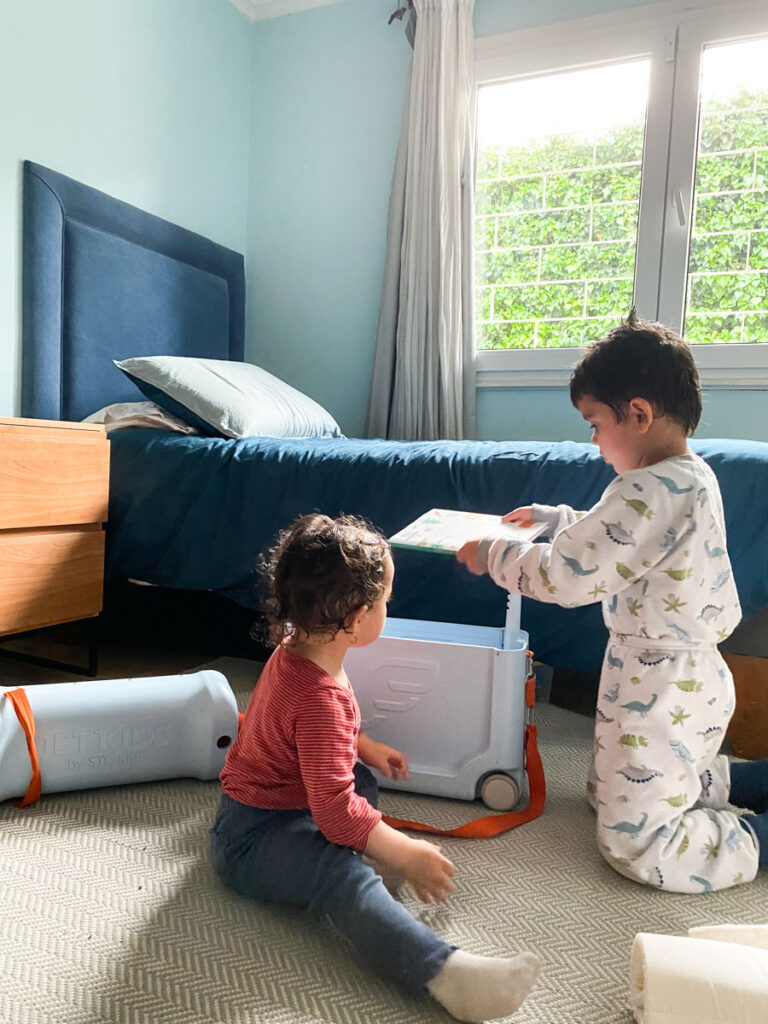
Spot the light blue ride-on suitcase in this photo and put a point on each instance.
(451, 697)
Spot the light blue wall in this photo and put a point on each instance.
(147, 100)
(330, 85)
(493, 16)
(546, 414)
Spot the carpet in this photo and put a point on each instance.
(110, 913)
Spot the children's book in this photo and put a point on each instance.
(445, 530)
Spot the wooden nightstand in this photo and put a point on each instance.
(54, 490)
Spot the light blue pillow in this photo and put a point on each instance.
(230, 398)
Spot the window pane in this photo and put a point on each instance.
(727, 289)
(557, 198)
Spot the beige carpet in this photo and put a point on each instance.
(109, 912)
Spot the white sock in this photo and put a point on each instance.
(479, 988)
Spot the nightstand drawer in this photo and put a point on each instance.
(49, 576)
(52, 476)
(54, 489)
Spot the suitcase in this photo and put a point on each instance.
(452, 698)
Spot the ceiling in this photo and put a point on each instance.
(259, 10)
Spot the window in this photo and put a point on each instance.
(625, 161)
(557, 198)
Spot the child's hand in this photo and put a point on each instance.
(387, 760)
(519, 515)
(467, 555)
(428, 871)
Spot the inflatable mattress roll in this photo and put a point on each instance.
(715, 975)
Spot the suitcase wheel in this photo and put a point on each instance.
(499, 792)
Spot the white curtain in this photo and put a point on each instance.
(423, 384)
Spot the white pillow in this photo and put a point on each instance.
(229, 398)
(120, 415)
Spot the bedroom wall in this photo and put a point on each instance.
(330, 84)
(147, 100)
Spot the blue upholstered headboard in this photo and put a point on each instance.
(104, 280)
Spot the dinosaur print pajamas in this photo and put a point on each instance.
(653, 551)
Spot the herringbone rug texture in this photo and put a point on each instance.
(110, 914)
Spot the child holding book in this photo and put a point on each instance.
(653, 551)
(298, 809)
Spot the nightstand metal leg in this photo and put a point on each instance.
(90, 669)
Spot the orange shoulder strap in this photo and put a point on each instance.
(20, 702)
(494, 824)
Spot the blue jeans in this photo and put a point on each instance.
(282, 856)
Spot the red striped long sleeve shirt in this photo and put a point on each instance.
(297, 748)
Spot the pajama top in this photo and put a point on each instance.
(653, 552)
(297, 748)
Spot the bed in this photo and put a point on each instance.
(105, 281)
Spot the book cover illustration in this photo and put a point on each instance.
(445, 530)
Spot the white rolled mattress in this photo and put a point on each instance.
(715, 975)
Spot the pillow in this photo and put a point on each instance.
(230, 398)
(138, 414)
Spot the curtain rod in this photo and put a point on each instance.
(400, 12)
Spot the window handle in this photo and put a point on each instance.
(679, 201)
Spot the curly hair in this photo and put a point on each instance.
(319, 571)
(641, 359)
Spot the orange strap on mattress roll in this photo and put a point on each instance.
(20, 702)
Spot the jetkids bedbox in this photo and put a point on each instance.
(62, 736)
(451, 697)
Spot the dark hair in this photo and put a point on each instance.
(641, 359)
(319, 571)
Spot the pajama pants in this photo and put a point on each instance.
(658, 784)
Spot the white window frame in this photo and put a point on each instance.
(671, 34)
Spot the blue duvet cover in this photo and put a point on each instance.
(196, 513)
